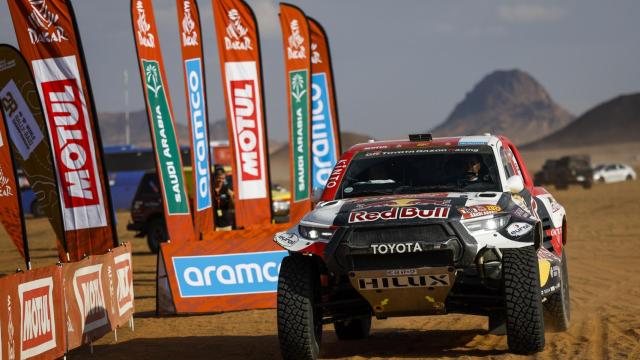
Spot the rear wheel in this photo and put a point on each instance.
(156, 234)
(558, 305)
(587, 184)
(523, 302)
(299, 321)
(353, 329)
(629, 177)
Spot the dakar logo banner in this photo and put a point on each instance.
(43, 24)
(237, 37)
(325, 129)
(295, 37)
(189, 33)
(166, 141)
(145, 38)
(37, 319)
(239, 51)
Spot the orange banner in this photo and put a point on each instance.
(325, 125)
(239, 51)
(47, 35)
(297, 62)
(155, 87)
(32, 315)
(227, 271)
(10, 205)
(196, 93)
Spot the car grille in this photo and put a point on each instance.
(433, 258)
(434, 233)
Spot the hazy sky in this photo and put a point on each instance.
(400, 66)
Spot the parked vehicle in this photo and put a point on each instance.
(574, 169)
(147, 212)
(425, 227)
(608, 173)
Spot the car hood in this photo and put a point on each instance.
(414, 208)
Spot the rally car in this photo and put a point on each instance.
(426, 227)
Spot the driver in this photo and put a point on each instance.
(474, 169)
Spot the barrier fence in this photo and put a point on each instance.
(46, 312)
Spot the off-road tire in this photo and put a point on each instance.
(587, 184)
(299, 322)
(353, 329)
(523, 302)
(156, 234)
(558, 305)
(629, 177)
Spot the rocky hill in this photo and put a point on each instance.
(506, 102)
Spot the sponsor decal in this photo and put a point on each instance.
(519, 200)
(396, 248)
(145, 37)
(299, 81)
(285, 239)
(189, 34)
(399, 214)
(402, 202)
(336, 174)
(199, 132)
(165, 140)
(246, 116)
(5, 187)
(315, 54)
(296, 49)
(323, 144)
(22, 126)
(229, 274)
(87, 286)
(520, 212)
(124, 294)
(237, 37)
(11, 345)
(71, 136)
(469, 212)
(402, 272)
(43, 24)
(36, 317)
(7, 64)
(555, 207)
(519, 228)
(399, 282)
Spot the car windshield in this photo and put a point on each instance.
(426, 170)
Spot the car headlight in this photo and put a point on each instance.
(485, 225)
(315, 233)
(280, 206)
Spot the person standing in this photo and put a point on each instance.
(223, 197)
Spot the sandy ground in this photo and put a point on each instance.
(603, 250)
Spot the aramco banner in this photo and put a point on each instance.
(297, 61)
(195, 91)
(46, 33)
(27, 130)
(163, 132)
(10, 207)
(325, 127)
(239, 51)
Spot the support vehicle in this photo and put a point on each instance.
(426, 227)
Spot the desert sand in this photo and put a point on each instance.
(603, 251)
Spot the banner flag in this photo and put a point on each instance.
(27, 130)
(325, 127)
(177, 213)
(239, 51)
(10, 205)
(196, 93)
(296, 43)
(49, 40)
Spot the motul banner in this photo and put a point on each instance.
(195, 91)
(227, 271)
(32, 315)
(47, 36)
(297, 61)
(325, 127)
(10, 205)
(239, 51)
(160, 114)
(27, 130)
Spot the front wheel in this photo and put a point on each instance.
(522, 299)
(558, 305)
(299, 321)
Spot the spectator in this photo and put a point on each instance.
(223, 197)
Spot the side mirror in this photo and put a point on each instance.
(514, 184)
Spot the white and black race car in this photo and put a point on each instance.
(426, 227)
